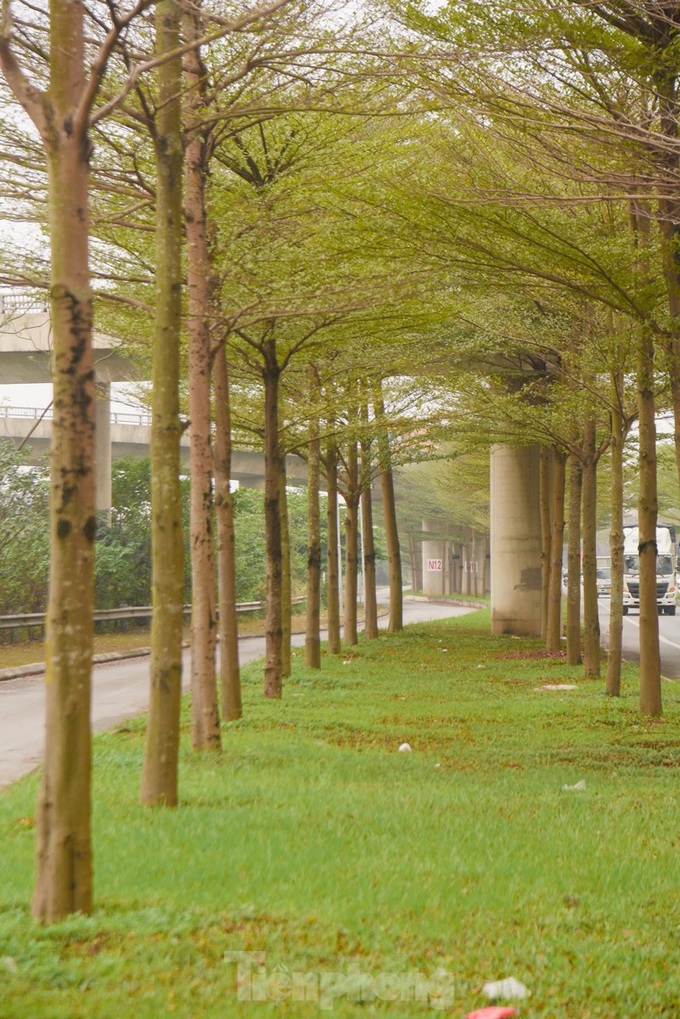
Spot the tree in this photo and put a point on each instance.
(159, 786)
(593, 99)
(62, 112)
(204, 706)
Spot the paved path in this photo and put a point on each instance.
(120, 690)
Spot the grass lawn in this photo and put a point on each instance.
(359, 872)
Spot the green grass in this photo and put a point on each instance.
(312, 839)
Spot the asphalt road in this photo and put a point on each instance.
(120, 690)
(669, 638)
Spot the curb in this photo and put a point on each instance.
(460, 603)
(37, 668)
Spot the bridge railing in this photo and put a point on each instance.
(12, 301)
(127, 612)
(117, 418)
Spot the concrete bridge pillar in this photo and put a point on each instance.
(102, 450)
(434, 560)
(515, 541)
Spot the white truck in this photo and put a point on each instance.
(604, 575)
(666, 564)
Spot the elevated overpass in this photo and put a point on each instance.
(515, 548)
(130, 435)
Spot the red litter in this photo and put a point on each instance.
(492, 1012)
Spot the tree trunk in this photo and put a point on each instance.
(64, 861)
(546, 535)
(313, 621)
(272, 515)
(650, 657)
(574, 561)
(368, 543)
(286, 591)
(590, 610)
(351, 495)
(351, 569)
(205, 719)
(669, 226)
(159, 777)
(416, 551)
(554, 621)
(396, 618)
(615, 650)
(230, 673)
(333, 585)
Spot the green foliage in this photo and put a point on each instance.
(250, 543)
(24, 533)
(123, 548)
(123, 553)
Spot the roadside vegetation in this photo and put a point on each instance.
(371, 234)
(312, 839)
(123, 546)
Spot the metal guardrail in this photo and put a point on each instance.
(127, 612)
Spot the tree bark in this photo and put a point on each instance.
(205, 719)
(273, 685)
(650, 657)
(333, 585)
(313, 620)
(669, 227)
(546, 535)
(591, 622)
(615, 649)
(159, 776)
(574, 561)
(230, 673)
(396, 617)
(64, 854)
(416, 553)
(368, 543)
(554, 621)
(351, 495)
(286, 581)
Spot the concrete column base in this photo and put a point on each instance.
(515, 541)
(434, 555)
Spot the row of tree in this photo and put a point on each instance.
(463, 219)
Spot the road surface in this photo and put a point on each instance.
(669, 638)
(120, 690)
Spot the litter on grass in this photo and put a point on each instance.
(578, 787)
(558, 686)
(405, 747)
(508, 988)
